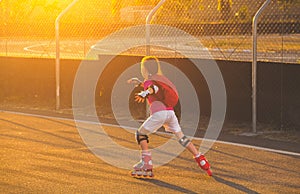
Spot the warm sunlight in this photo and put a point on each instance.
(149, 96)
(48, 10)
(33, 11)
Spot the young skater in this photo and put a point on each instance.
(162, 96)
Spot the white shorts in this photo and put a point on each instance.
(165, 118)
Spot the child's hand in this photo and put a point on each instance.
(140, 97)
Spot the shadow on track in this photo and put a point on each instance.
(234, 185)
(168, 185)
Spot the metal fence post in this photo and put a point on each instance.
(148, 21)
(57, 51)
(254, 64)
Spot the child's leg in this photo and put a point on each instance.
(200, 158)
(144, 166)
(142, 138)
(153, 123)
(189, 145)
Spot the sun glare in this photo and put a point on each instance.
(33, 11)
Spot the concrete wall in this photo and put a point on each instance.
(32, 82)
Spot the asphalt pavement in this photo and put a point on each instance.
(48, 155)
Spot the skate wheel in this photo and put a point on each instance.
(150, 174)
(142, 174)
(136, 173)
(132, 174)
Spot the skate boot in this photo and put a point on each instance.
(203, 163)
(144, 167)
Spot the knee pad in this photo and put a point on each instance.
(184, 141)
(140, 137)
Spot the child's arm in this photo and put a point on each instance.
(135, 81)
(140, 97)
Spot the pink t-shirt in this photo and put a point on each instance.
(155, 100)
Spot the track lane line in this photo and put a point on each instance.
(133, 128)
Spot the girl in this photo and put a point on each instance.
(162, 96)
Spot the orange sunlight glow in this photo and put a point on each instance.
(36, 18)
(48, 10)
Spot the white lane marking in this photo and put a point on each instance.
(30, 48)
(133, 128)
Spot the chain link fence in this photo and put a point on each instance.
(222, 26)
